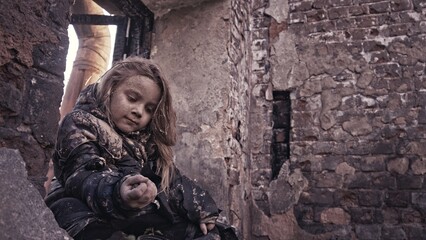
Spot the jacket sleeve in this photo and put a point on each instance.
(189, 199)
(81, 169)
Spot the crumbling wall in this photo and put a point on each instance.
(190, 44)
(355, 71)
(33, 49)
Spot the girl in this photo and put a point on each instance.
(113, 162)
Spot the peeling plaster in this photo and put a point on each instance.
(278, 9)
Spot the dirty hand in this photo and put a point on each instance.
(205, 227)
(137, 191)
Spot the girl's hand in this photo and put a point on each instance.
(137, 191)
(205, 227)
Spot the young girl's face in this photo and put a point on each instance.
(133, 103)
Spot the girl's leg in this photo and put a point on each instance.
(155, 223)
(95, 230)
(79, 221)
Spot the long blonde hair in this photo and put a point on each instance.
(163, 123)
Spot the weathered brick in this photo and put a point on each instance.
(261, 177)
(327, 180)
(418, 199)
(320, 4)
(395, 30)
(409, 182)
(400, 5)
(345, 24)
(368, 232)
(373, 46)
(358, 148)
(385, 147)
(300, 6)
(379, 57)
(324, 26)
(370, 198)
(383, 180)
(304, 214)
(357, 34)
(371, 164)
(380, 7)
(298, 17)
(262, 201)
(335, 216)
(417, 231)
(366, 21)
(366, 215)
(359, 181)
(319, 197)
(393, 233)
(358, 10)
(410, 215)
(399, 165)
(388, 70)
(336, 3)
(397, 199)
(338, 12)
(11, 98)
(316, 15)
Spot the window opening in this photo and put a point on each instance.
(281, 130)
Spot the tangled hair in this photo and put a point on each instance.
(163, 123)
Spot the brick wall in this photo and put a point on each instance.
(355, 71)
(358, 118)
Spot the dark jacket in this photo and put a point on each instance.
(92, 157)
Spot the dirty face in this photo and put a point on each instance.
(133, 103)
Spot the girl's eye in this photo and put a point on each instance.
(131, 98)
(150, 109)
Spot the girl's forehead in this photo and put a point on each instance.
(135, 78)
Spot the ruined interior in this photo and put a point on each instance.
(305, 119)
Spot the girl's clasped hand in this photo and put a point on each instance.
(137, 191)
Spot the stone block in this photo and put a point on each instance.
(393, 233)
(399, 165)
(400, 5)
(11, 98)
(397, 199)
(24, 214)
(358, 10)
(300, 6)
(366, 21)
(418, 166)
(380, 7)
(323, 26)
(336, 3)
(409, 182)
(417, 231)
(368, 232)
(418, 199)
(338, 12)
(358, 126)
(316, 15)
(335, 216)
(410, 215)
(344, 24)
(366, 215)
(319, 197)
(327, 180)
(345, 198)
(359, 181)
(372, 164)
(370, 198)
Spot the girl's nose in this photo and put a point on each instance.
(137, 111)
